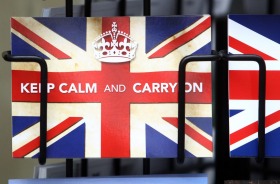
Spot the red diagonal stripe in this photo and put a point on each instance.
(246, 49)
(253, 128)
(38, 40)
(192, 133)
(183, 39)
(52, 133)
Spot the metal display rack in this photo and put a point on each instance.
(221, 56)
(216, 57)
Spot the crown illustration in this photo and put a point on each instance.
(107, 48)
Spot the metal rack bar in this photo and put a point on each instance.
(69, 8)
(84, 167)
(122, 7)
(69, 162)
(69, 168)
(181, 99)
(179, 7)
(147, 7)
(88, 8)
(43, 98)
(270, 6)
(221, 56)
(261, 110)
(146, 166)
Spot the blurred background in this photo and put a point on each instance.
(219, 168)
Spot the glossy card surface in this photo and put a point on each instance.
(112, 86)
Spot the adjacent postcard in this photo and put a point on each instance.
(112, 86)
(253, 34)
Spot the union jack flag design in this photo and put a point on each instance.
(257, 34)
(100, 109)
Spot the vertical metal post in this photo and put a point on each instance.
(210, 6)
(122, 7)
(69, 168)
(146, 166)
(223, 164)
(88, 8)
(147, 7)
(69, 162)
(226, 167)
(84, 162)
(84, 167)
(179, 7)
(43, 113)
(270, 6)
(117, 166)
(147, 12)
(43, 98)
(69, 8)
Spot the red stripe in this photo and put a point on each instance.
(183, 39)
(38, 40)
(198, 138)
(246, 49)
(192, 133)
(20, 78)
(243, 133)
(253, 128)
(52, 133)
(243, 85)
(115, 107)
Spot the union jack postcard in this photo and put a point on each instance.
(253, 34)
(112, 86)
